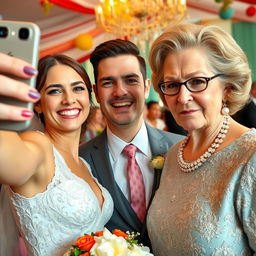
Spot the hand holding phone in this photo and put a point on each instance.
(10, 87)
(19, 40)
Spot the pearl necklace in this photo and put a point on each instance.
(191, 166)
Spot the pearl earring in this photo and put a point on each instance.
(224, 110)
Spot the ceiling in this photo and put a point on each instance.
(61, 26)
(30, 10)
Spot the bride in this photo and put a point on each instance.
(52, 193)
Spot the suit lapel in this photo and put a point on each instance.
(156, 141)
(104, 173)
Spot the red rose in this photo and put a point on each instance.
(85, 242)
(99, 233)
(118, 232)
(85, 254)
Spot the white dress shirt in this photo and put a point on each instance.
(119, 161)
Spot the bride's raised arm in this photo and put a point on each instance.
(20, 156)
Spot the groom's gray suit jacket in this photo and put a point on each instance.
(96, 153)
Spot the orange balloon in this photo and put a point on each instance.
(84, 42)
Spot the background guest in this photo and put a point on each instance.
(95, 125)
(253, 92)
(247, 115)
(171, 124)
(205, 204)
(154, 115)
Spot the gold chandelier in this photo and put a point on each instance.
(140, 19)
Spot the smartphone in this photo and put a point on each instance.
(19, 39)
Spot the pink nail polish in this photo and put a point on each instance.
(27, 113)
(34, 94)
(29, 70)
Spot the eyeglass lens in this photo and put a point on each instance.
(195, 84)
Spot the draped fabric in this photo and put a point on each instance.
(72, 5)
(9, 239)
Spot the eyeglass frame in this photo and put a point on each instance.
(207, 79)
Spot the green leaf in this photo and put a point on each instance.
(77, 252)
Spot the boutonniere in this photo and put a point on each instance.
(157, 163)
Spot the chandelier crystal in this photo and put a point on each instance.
(139, 19)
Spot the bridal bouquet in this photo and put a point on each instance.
(105, 243)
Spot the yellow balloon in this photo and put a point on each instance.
(84, 42)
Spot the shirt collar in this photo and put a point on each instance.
(116, 145)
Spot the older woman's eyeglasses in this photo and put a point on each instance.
(195, 84)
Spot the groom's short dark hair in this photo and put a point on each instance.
(114, 48)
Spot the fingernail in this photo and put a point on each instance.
(34, 95)
(27, 113)
(29, 70)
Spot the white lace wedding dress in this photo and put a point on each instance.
(51, 221)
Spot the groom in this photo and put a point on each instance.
(121, 88)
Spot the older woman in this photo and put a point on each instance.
(206, 201)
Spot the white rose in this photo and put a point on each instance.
(104, 249)
(109, 245)
(139, 251)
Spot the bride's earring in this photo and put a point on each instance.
(224, 110)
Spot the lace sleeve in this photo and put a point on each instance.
(246, 201)
(8, 241)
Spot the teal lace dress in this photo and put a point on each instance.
(210, 211)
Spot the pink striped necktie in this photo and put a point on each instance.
(136, 182)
